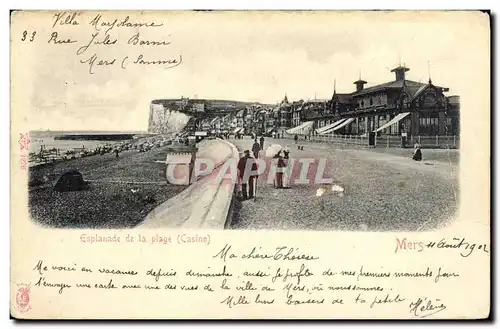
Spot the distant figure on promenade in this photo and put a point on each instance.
(256, 149)
(261, 142)
(279, 174)
(274, 134)
(242, 164)
(117, 155)
(417, 154)
(296, 138)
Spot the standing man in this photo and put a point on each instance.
(262, 142)
(242, 165)
(255, 149)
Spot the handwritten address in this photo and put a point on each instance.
(92, 50)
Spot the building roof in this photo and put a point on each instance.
(391, 84)
(317, 101)
(416, 91)
(343, 98)
(412, 87)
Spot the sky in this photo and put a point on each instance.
(253, 56)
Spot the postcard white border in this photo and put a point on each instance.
(147, 4)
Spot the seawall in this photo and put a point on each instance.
(204, 204)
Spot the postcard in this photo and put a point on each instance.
(250, 165)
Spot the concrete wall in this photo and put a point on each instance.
(205, 203)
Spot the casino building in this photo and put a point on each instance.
(397, 107)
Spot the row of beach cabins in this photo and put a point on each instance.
(52, 155)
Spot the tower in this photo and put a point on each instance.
(400, 72)
(360, 84)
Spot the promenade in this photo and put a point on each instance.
(384, 191)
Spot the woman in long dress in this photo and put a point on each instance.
(278, 181)
(417, 154)
(286, 158)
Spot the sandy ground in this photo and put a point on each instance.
(384, 191)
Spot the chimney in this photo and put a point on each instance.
(400, 72)
(359, 85)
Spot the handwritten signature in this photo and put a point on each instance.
(425, 307)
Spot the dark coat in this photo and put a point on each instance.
(255, 147)
(242, 164)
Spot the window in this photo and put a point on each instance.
(447, 126)
(361, 125)
(429, 125)
(371, 100)
(395, 128)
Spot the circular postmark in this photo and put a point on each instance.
(23, 298)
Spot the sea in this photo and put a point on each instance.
(46, 139)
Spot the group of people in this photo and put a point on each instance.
(247, 187)
(248, 183)
(296, 137)
(276, 134)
